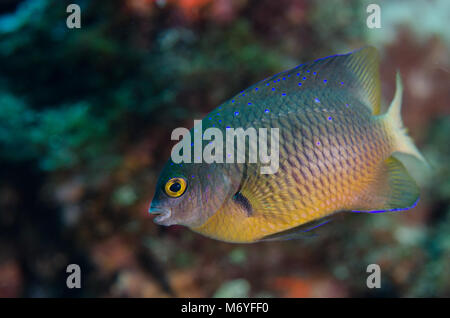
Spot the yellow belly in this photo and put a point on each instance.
(284, 210)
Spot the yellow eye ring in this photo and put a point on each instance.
(175, 187)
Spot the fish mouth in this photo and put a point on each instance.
(162, 215)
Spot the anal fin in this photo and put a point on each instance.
(393, 189)
(298, 232)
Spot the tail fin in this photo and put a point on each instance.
(403, 143)
(394, 188)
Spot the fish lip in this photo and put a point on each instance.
(162, 215)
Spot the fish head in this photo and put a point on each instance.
(189, 193)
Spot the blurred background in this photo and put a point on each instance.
(85, 122)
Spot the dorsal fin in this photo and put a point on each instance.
(356, 72)
(364, 64)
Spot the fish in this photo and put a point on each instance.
(338, 153)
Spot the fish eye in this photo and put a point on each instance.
(175, 187)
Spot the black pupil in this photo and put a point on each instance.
(175, 187)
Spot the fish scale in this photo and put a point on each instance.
(320, 164)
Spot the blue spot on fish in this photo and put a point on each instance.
(266, 111)
(236, 113)
(316, 100)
